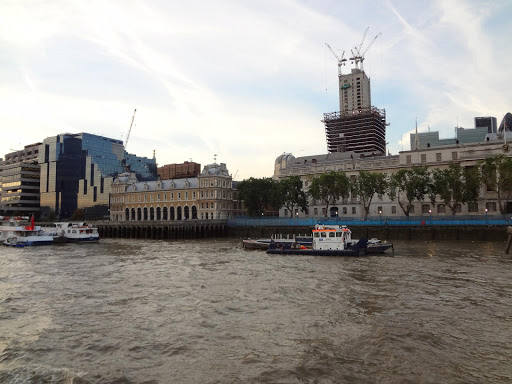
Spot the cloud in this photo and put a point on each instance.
(246, 80)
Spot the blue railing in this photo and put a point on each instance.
(463, 220)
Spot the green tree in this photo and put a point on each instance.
(291, 194)
(408, 185)
(329, 187)
(456, 185)
(367, 185)
(498, 172)
(258, 195)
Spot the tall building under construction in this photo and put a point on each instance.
(358, 126)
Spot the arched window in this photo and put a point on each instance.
(186, 213)
(133, 214)
(145, 214)
(139, 214)
(178, 213)
(194, 212)
(158, 213)
(127, 214)
(171, 214)
(164, 213)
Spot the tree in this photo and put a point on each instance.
(329, 187)
(498, 171)
(258, 195)
(79, 214)
(366, 185)
(456, 185)
(291, 193)
(408, 185)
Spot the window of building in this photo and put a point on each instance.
(393, 209)
(423, 157)
(454, 155)
(344, 210)
(172, 196)
(491, 206)
(411, 208)
(458, 208)
(472, 207)
(315, 211)
(425, 208)
(438, 156)
(186, 195)
(179, 195)
(286, 212)
(379, 210)
(408, 159)
(354, 210)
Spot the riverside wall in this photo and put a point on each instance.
(162, 230)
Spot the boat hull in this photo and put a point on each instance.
(22, 244)
(254, 244)
(83, 240)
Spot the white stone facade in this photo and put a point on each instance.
(307, 167)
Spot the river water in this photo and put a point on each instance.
(207, 311)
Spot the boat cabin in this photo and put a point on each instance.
(331, 237)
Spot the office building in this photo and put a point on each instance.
(77, 172)
(463, 136)
(19, 182)
(358, 126)
(487, 122)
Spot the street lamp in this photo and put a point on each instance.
(380, 215)
(486, 210)
(430, 213)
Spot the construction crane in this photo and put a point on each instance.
(341, 61)
(358, 56)
(129, 130)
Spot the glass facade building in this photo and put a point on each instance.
(77, 171)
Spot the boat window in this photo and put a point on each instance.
(339, 234)
(332, 234)
(316, 234)
(73, 231)
(323, 234)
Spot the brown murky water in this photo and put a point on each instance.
(129, 311)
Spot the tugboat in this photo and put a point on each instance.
(332, 240)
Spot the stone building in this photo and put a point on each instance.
(208, 196)
(467, 155)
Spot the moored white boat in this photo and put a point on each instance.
(78, 232)
(19, 232)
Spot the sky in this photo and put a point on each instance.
(241, 82)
